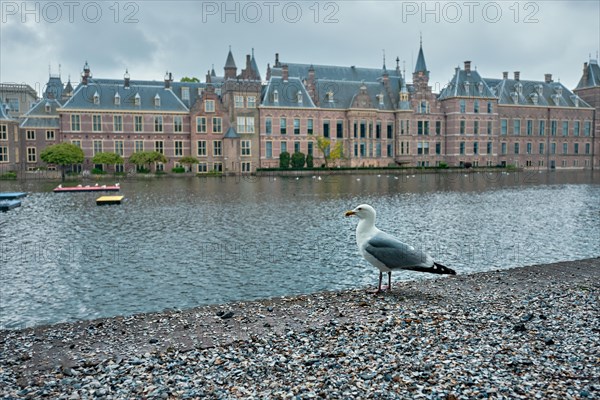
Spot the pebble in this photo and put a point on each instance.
(449, 338)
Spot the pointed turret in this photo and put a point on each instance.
(230, 67)
(421, 66)
(255, 67)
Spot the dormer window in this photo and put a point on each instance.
(48, 108)
(157, 100)
(539, 89)
(117, 99)
(299, 97)
(137, 99)
(480, 87)
(96, 98)
(467, 87)
(518, 87)
(558, 90)
(330, 96)
(185, 94)
(575, 100)
(556, 99)
(534, 98)
(515, 97)
(275, 96)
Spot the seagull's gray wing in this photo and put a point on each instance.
(395, 254)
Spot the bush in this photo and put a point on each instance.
(98, 171)
(178, 170)
(284, 160)
(443, 165)
(8, 175)
(309, 161)
(298, 160)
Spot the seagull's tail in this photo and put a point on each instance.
(435, 269)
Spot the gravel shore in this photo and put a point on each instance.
(531, 333)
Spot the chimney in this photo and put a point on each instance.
(168, 79)
(548, 78)
(284, 73)
(505, 75)
(126, 79)
(585, 71)
(468, 66)
(517, 75)
(276, 60)
(208, 78)
(86, 74)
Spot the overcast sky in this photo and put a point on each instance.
(188, 37)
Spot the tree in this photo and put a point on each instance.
(298, 160)
(324, 145)
(62, 154)
(147, 157)
(188, 79)
(107, 158)
(188, 161)
(284, 160)
(309, 161)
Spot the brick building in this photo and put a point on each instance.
(236, 123)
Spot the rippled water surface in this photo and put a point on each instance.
(179, 243)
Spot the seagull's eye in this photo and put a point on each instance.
(359, 208)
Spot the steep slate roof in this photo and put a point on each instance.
(107, 89)
(592, 78)
(334, 72)
(507, 91)
(231, 134)
(421, 66)
(254, 65)
(457, 87)
(230, 63)
(287, 93)
(54, 88)
(38, 117)
(345, 92)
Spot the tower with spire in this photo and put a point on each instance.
(421, 74)
(230, 67)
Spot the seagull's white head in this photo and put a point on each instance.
(364, 211)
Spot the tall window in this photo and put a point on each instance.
(178, 123)
(201, 124)
(489, 127)
(489, 148)
(462, 106)
(3, 132)
(296, 126)
(541, 149)
(251, 101)
(269, 125)
(309, 126)
(269, 149)
(326, 128)
(76, 122)
(97, 123)
(31, 155)
(516, 127)
(118, 123)
(489, 107)
(311, 148)
(138, 123)
(503, 148)
(587, 128)
(30, 135)
(438, 128)
(565, 128)
(50, 135)
(529, 148)
(476, 106)
(217, 124)
(463, 125)
(158, 123)
(3, 154)
(461, 148)
(565, 148)
(159, 146)
(246, 147)
(217, 148)
(201, 148)
(553, 127)
(475, 147)
(97, 146)
(390, 129)
(476, 127)
(503, 126)
(119, 147)
(282, 125)
(516, 148)
(339, 129)
(542, 127)
(139, 146)
(575, 128)
(178, 148)
(529, 127)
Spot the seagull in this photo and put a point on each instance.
(388, 253)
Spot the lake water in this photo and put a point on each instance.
(185, 242)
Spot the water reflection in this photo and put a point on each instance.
(191, 241)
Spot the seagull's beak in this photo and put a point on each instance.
(349, 213)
